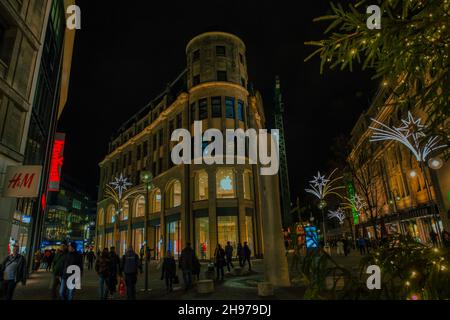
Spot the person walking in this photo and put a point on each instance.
(246, 252)
(131, 263)
(434, 236)
(73, 258)
(103, 267)
(240, 255)
(446, 239)
(90, 256)
(346, 246)
(196, 268)
(169, 269)
(362, 245)
(229, 256)
(186, 264)
(114, 271)
(219, 259)
(13, 270)
(57, 270)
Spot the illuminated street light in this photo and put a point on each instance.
(435, 163)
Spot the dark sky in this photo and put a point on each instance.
(126, 52)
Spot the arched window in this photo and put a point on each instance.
(225, 183)
(247, 185)
(125, 211)
(201, 185)
(140, 207)
(110, 214)
(156, 201)
(173, 195)
(101, 217)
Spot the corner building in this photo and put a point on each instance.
(202, 204)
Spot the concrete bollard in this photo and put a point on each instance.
(205, 286)
(265, 289)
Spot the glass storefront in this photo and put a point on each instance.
(202, 237)
(123, 242)
(109, 240)
(138, 239)
(173, 234)
(201, 185)
(100, 244)
(227, 230)
(225, 183)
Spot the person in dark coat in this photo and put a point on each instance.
(247, 254)
(103, 268)
(446, 239)
(131, 263)
(186, 264)
(169, 269)
(57, 269)
(229, 255)
(13, 270)
(90, 256)
(196, 268)
(73, 257)
(240, 254)
(114, 272)
(219, 259)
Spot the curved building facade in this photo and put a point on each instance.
(202, 204)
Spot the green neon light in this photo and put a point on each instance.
(351, 194)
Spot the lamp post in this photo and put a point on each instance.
(146, 178)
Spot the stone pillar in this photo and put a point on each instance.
(275, 261)
(163, 224)
(240, 196)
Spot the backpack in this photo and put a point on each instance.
(130, 263)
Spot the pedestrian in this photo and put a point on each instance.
(433, 236)
(114, 271)
(340, 247)
(229, 256)
(37, 260)
(169, 269)
(72, 258)
(142, 253)
(186, 264)
(103, 267)
(247, 254)
(90, 256)
(12, 271)
(196, 268)
(362, 245)
(57, 270)
(240, 255)
(346, 246)
(130, 266)
(219, 259)
(446, 239)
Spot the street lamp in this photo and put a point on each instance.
(146, 178)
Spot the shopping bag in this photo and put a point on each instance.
(122, 288)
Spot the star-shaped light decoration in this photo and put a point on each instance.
(121, 184)
(338, 214)
(321, 186)
(358, 203)
(412, 127)
(319, 181)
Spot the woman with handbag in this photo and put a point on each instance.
(169, 271)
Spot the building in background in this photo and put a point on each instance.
(202, 204)
(399, 192)
(35, 69)
(70, 216)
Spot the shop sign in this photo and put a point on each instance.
(22, 181)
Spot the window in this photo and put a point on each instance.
(160, 137)
(156, 201)
(139, 152)
(155, 142)
(216, 106)
(173, 195)
(125, 211)
(227, 230)
(110, 214)
(220, 51)
(109, 240)
(173, 234)
(196, 80)
(193, 118)
(138, 239)
(145, 148)
(248, 194)
(123, 242)
(203, 109)
(202, 237)
(225, 183)
(101, 217)
(201, 185)
(196, 55)
(240, 110)
(222, 76)
(140, 207)
(229, 104)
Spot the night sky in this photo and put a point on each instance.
(125, 54)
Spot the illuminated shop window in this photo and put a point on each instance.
(125, 211)
(109, 240)
(225, 183)
(156, 201)
(140, 207)
(173, 195)
(248, 192)
(202, 237)
(138, 239)
(110, 214)
(173, 234)
(227, 230)
(101, 243)
(123, 242)
(201, 185)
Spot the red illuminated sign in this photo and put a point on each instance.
(57, 162)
